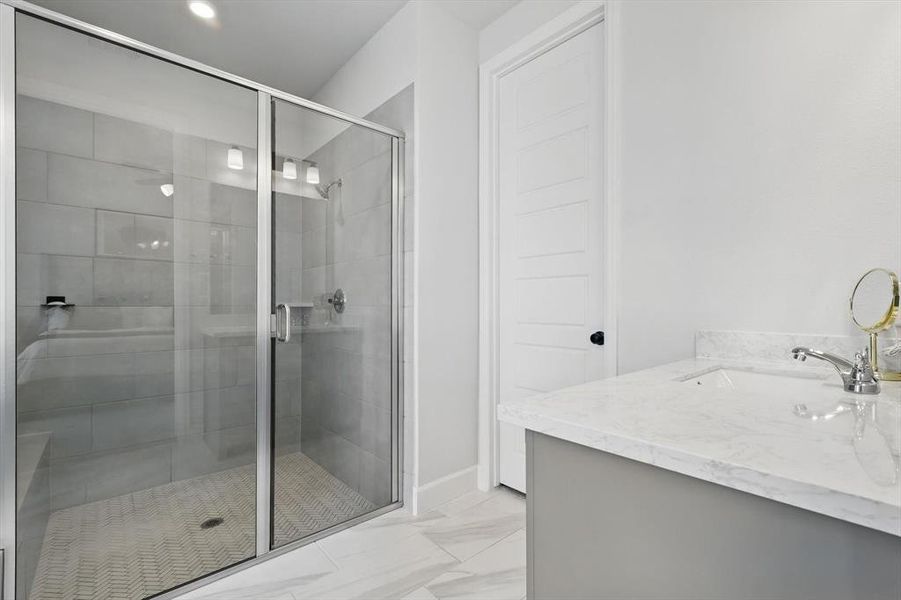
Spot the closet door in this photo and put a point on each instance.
(551, 176)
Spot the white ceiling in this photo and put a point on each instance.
(291, 45)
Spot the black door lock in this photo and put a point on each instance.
(597, 338)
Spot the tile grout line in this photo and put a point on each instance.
(487, 548)
(488, 496)
(379, 546)
(328, 556)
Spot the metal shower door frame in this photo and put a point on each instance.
(264, 340)
(8, 299)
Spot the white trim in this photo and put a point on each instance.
(553, 33)
(612, 154)
(444, 489)
(411, 348)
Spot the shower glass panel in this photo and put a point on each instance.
(136, 283)
(331, 265)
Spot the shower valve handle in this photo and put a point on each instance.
(338, 300)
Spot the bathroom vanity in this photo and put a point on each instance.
(714, 478)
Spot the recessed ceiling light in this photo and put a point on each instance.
(202, 9)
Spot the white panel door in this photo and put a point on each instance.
(551, 228)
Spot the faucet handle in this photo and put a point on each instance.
(861, 359)
(862, 378)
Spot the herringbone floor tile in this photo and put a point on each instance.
(132, 546)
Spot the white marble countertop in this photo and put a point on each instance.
(747, 439)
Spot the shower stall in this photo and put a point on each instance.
(201, 316)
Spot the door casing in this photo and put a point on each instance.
(550, 35)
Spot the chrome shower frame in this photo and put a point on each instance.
(265, 96)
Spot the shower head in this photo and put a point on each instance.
(325, 189)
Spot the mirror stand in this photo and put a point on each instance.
(883, 375)
(874, 307)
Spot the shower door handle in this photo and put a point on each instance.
(283, 323)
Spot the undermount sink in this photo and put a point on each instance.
(762, 381)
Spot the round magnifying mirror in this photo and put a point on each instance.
(874, 301)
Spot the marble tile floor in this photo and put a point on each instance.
(473, 547)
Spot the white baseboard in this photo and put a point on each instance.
(409, 488)
(445, 489)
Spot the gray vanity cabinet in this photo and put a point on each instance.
(603, 527)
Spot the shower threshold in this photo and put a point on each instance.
(142, 543)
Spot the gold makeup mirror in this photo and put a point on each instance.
(874, 308)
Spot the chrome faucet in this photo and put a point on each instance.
(858, 377)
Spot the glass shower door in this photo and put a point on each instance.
(334, 443)
(136, 251)
(160, 434)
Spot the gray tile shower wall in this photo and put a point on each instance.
(149, 378)
(345, 383)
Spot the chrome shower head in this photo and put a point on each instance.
(325, 189)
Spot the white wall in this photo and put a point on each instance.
(511, 26)
(447, 244)
(752, 134)
(761, 166)
(385, 65)
(428, 47)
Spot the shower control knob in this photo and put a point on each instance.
(338, 300)
(597, 338)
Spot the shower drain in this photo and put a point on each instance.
(210, 523)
